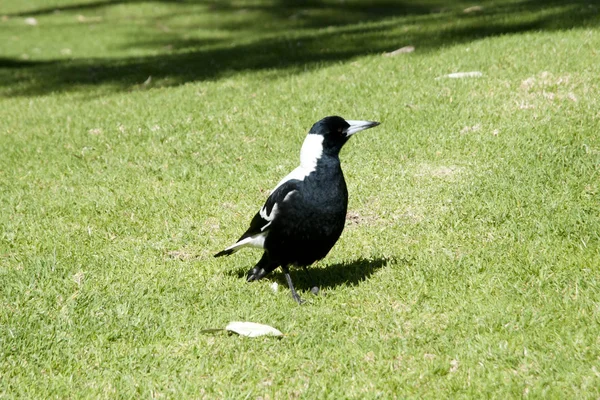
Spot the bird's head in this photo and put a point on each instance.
(335, 132)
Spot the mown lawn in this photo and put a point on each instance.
(137, 138)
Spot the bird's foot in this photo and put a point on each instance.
(298, 299)
(288, 278)
(250, 276)
(255, 274)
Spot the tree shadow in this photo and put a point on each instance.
(10, 63)
(275, 9)
(276, 36)
(79, 7)
(349, 273)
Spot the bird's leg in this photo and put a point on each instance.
(288, 278)
(262, 268)
(314, 289)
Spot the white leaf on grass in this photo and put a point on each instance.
(401, 50)
(474, 9)
(252, 329)
(83, 19)
(456, 75)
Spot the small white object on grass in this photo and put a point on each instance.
(31, 21)
(274, 287)
(401, 50)
(474, 9)
(252, 329)
(456, 75)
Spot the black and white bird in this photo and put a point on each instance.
(304, 215)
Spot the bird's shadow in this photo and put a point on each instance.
(330, 276)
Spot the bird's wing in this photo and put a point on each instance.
(262, 220)
(259, 226)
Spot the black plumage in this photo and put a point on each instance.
(305, 214)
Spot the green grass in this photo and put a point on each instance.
(469, 266)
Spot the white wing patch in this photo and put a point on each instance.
(287, 196)
(258, 240)
(271, 216)
(268, 217)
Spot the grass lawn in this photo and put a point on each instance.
(138, 138)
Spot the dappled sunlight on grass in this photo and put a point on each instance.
(178, 42)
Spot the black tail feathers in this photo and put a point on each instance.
(224, 253)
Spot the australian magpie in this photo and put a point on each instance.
(305, 214)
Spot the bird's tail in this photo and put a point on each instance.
(225, 252)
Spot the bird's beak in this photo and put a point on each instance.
(357, 126)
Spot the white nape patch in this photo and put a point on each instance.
(311, 152)
(257, 241)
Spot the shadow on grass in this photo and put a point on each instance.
(276, 36)
(348, 273)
